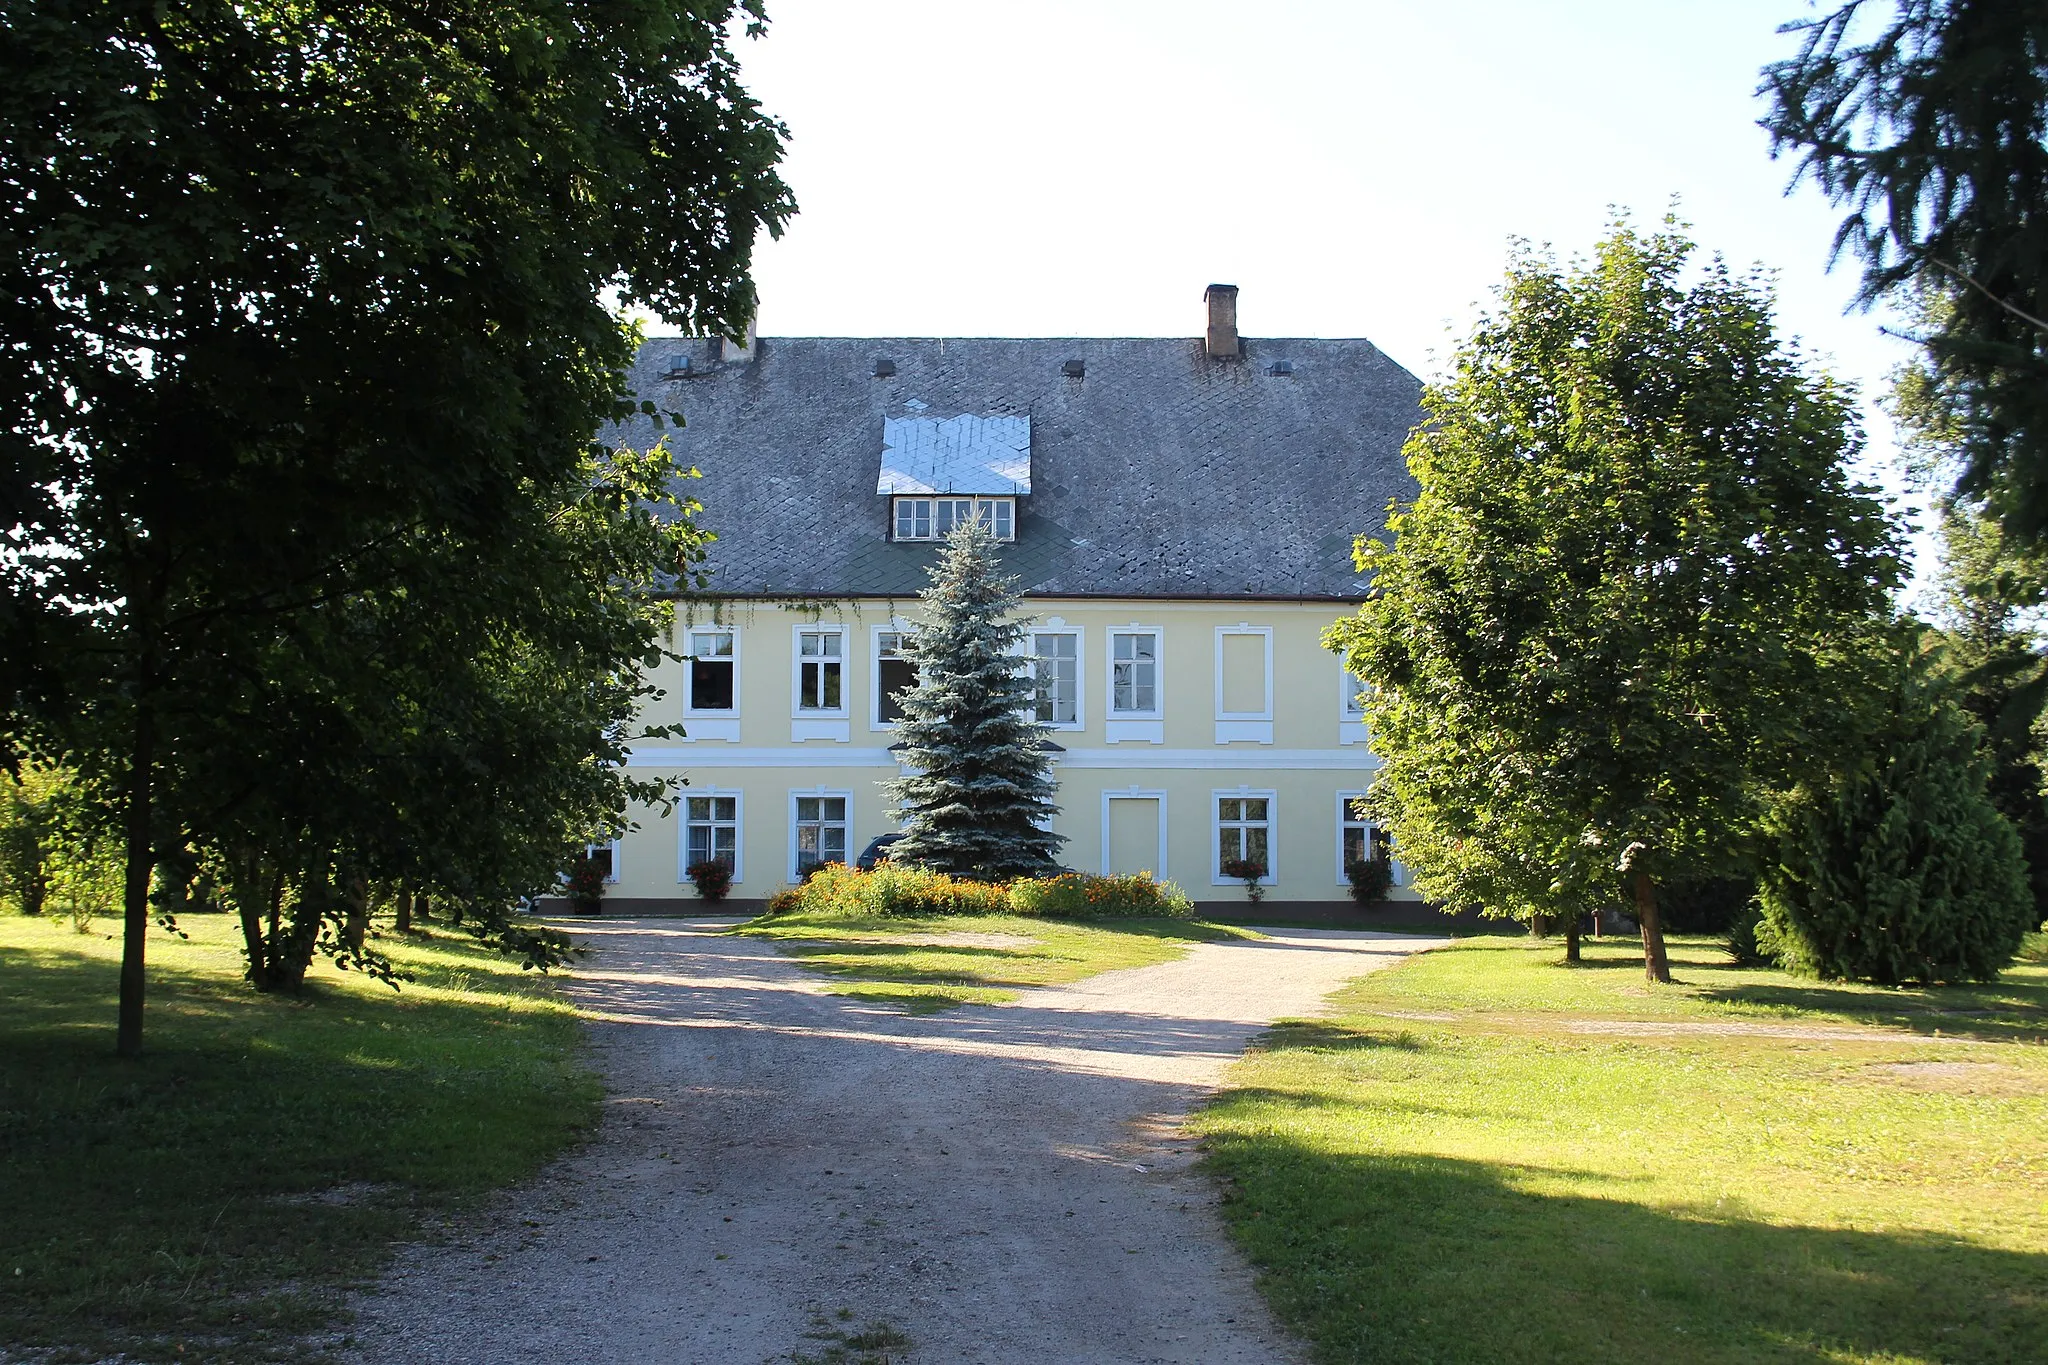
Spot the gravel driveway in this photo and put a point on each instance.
(999, 1183)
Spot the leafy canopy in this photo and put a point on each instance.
(309, 319)
(1630, 595)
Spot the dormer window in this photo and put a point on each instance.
(934, 518)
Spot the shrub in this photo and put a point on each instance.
(1248, 871)
(1904, 870)
(1077, 895)
(1370, 878)
(712, 878)
(30, 837)
(585, 888)
(1743, 944)
(901, 889)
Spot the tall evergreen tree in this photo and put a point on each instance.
(980, 788)
(1928, 121)
(1901, 869)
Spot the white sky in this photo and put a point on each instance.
(1060, 168)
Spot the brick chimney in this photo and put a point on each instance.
(1222, 339)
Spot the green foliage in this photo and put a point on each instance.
(1742, 940)
(1901, 869)
(1370, 879)
(978, 797)
(28, 838)
(1634, 590)
(1992, 592)
(323, 575)
(902, 889)
(1931, 127)
(1082, 895)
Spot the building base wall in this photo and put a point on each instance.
(1396, 915)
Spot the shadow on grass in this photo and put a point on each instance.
(263, 1152)
(1321, 1035)
(1423, 1258)
(2006, 1011)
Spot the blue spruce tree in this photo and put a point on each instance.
(979, 791)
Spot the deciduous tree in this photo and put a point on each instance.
(295, 300)
(1632, 592)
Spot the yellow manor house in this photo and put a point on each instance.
(1179, 515)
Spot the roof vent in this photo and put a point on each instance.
(884, 367)
(678, 367)
(1221, 341)
(1074, 369)
(1283, 368)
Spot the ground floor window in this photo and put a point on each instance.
(820, 833)
(711, 832)
(1244, 835)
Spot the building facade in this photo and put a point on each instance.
(1179, 514)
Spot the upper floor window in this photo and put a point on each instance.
(1354, 696)
(935, 518)
(820, 670)
(894, 674)
(710, 678)
(1058, 676)
(1134, 672)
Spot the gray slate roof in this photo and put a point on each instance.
(1158, 472)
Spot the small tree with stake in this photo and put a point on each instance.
(980, 787)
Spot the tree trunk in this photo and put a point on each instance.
(141, 861)
(356, 928)
(1655, 965)
(401, 917)
(1571, 938)
(1536, 925)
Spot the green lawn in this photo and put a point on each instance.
(1487, 1156)
(935, 963)
(208, 1201)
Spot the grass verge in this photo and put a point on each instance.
(209, 1201)
(927, 964)
(1487, 1156)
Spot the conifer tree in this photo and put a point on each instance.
(980, 787)
(1903, 869)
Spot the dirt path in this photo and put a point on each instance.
(1000, 1183)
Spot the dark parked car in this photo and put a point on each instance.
(877, 851)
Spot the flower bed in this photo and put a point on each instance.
(894, 890)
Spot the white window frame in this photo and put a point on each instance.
(739, 833)
(1344, 822)
(820, 793)
(1080, 637)
(1136, 794)
(690, 707)
(1272, 800)
(1350, 697)
(1109, 706)
(797, 709)
(875, 634)
(991, 512)
(1222, 632)
(1398, 873)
